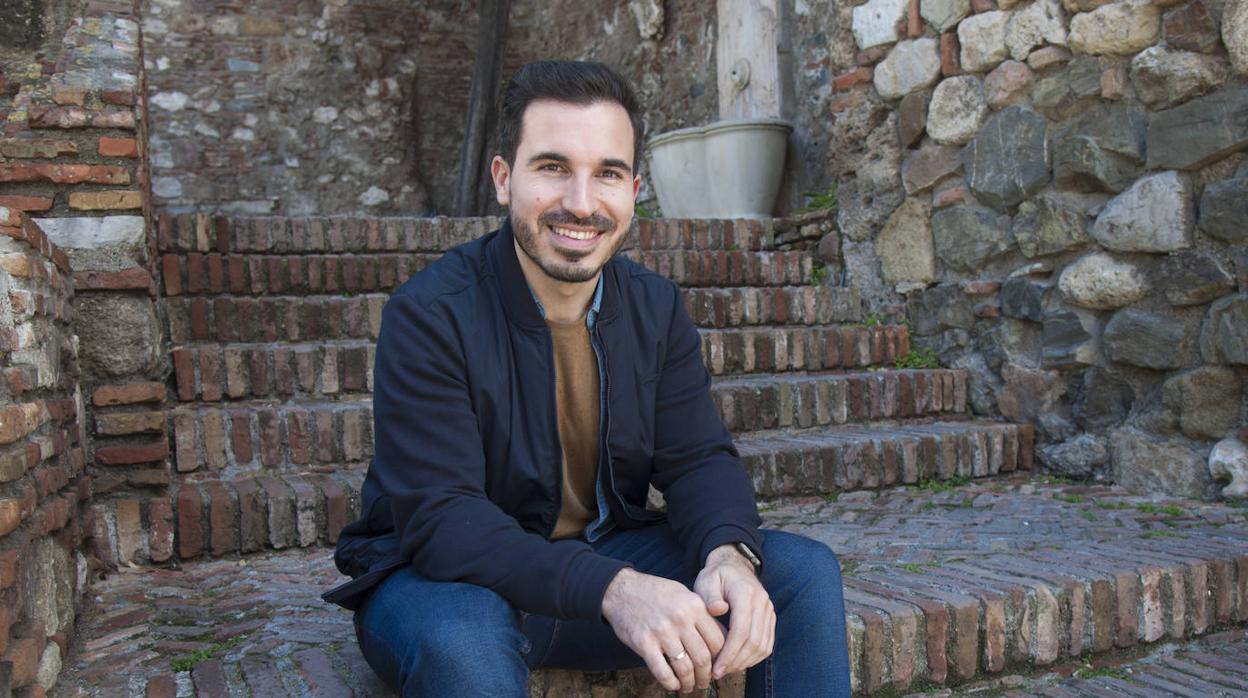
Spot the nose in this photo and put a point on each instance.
(578, 198)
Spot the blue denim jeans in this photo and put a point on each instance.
(428, 638)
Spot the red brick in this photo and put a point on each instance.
(57, 117)
(8, 566)
(858, 76)
(160, 516)
(161, 686)
(6, 620)
(172, 273)
(253, 526)
(23, 654)
(64, 174)
(190, 527)
(983, 5)
(210, 374)
(134, 278)
(119, 147)
(67, 94)
(199, 318)
(214, 440)
(128, 394)
(114, 118)
(1026, 445)
(914, 25)
(129, 531)
(222, 515)
(240, 438)
(184, 373)
(28, 149)
(950, 61)
(270, 437)
(112, 200)
(27, 203)
(131, 454)
(123, 98)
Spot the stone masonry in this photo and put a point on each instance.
(1070, 226)
(44, 489)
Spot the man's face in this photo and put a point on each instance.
(571, 190)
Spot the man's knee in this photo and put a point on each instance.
(423, 636)
(791, 556)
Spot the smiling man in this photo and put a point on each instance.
(530, 388)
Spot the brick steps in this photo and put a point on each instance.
(243, 370)
(775, 305)
(784, 400)
(992, 578)
(235, 371)
(289, 318)
(787, 348)
(262, 273)
(827, 461)
(192, 233)
(239, 439)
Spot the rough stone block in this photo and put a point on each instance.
(1200, 131)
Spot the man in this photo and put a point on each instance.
(530, 387)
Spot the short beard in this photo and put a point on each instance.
(571, 272)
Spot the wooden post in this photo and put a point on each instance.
(747, 65)
(491, 34)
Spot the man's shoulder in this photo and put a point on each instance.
(638, 281)
(460, 270)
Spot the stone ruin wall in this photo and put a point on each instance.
(1054, 195)
(84, 455)
(43, 485)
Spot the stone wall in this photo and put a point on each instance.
(299, 108)
(1054, 198)
(43, 486)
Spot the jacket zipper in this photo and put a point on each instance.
(599, 349)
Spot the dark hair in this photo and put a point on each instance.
(574, 82)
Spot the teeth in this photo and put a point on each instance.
(575, 234)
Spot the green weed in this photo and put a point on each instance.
(919, 357)
(1150, 508)
(819, 202)
(818, 274)
(188, 661)
(1111, 672)
(1090, 516)
(1068, 498)
(642, 212)
(1162, 534)
(938, 486)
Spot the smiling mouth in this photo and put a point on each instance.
(582, 235)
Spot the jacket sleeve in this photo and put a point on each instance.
(430, 461)
(710, 499)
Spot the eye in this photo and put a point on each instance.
(612, 174)
(551, 167)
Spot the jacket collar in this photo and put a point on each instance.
(517, 299)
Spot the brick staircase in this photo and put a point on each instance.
(979, 570)
(273, 323)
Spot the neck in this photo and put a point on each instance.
(564, 301)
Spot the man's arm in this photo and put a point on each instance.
(430, 461)
(710, 499)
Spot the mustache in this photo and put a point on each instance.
(562, 218)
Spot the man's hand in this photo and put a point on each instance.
(729, 582)
(659, 618)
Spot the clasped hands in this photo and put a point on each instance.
(675, 631)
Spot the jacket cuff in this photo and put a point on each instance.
(728, 534)
(586, 583)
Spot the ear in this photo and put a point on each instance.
(636, 185)
(500, 172)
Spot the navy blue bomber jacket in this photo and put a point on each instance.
(465, 481)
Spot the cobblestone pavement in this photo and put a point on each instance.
(1214, 665)
(256, 626)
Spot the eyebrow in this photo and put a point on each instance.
(560, 158)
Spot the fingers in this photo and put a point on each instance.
(751, 632)
(712, 633)
(681, 662)
(656, 662)
(699, 654)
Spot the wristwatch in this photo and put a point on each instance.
(749, 555)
